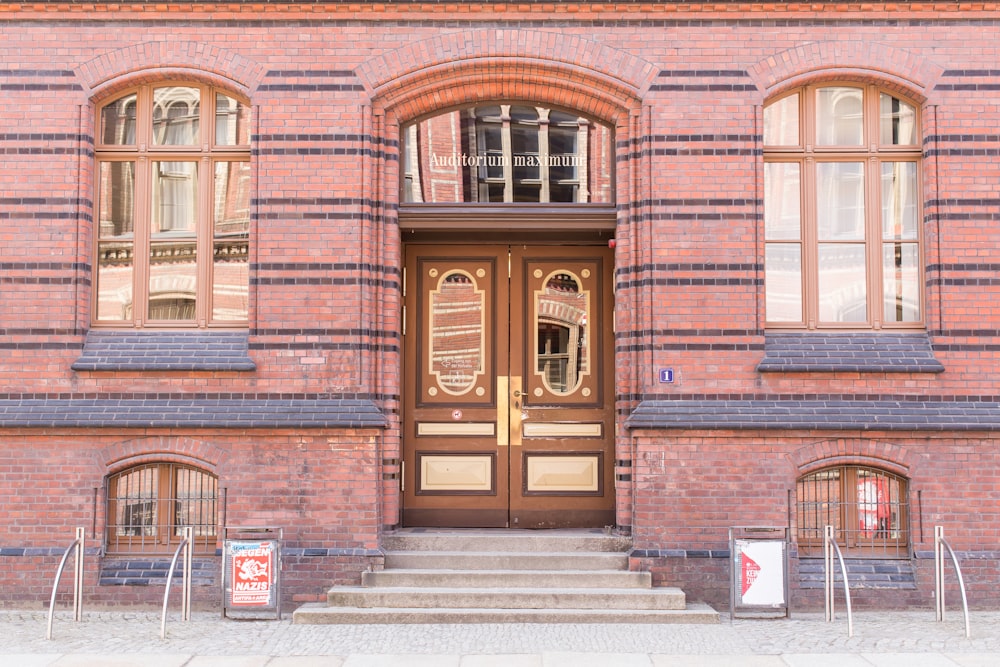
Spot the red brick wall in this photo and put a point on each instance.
(330, 84)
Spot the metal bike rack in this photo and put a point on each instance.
(75, 548)
(830, 547)
(184, 546)
(940, 544)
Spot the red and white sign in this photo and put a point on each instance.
(252, 574)
(761, 572)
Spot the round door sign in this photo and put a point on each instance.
(456, 415)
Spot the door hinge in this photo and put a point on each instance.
(404, 281)
(402, 476)
(404, 320)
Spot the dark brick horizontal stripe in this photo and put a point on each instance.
(319, 345)
(327, 266)
(703, 73)
(688, 282)
(36, 73)
(669, 267)
(963, 138)
(309, 87)
(323, 138)
(324, 151)
(309, 73)
(285, 333)
(702, 87)
(962, 152)
(971, 72)
(322, 280)
(962, 266)
(313, 201)
(970, 201)
(45, 136)
(696, 333)
(967, 86)
(42, 266)
(38, 87)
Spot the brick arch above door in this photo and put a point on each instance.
(463, 68)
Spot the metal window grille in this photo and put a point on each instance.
(150, 505)
(868, 509)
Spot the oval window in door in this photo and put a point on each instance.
(562, 349)
(456, 332)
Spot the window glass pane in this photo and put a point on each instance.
(232, 122)
(507, 153)
(116, 240)
(819, 504)
(783, 281)
(839, 117)
(173, 268)
(562, 352)
(230, 274)
(782, 206)
(842, 283)
(781, 122)
(899, 201)
(897, 122)
(901, 282)
(840, 201)
(135, 494)
(456, 332)
(118, 122)
(176, 112)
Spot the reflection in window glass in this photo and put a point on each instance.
(231, 229)
(899, 201)
(176, 116)
(839, 117)
(562, 345)
(456, 333)
(118, 122)
(507, 153)
(897, 122)
(840, 201)
(783, 272)
(782, 188)
(842, 283)
(232, 122)
(901, 286)
(781, 122)
(116, 241)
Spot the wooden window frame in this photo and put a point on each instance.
(871, 153)
(144, 154)
(843, 502)
(159, 533)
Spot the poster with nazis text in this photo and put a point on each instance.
(252, 580)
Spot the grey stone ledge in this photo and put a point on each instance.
(814, 352)
(190, 413)
(107, 350)
(817, 415)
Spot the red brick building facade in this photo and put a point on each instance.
(219, 294)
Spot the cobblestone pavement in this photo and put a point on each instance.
(124, 639)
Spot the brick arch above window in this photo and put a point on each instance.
(134, 65)
(897, 459)
(891, 68)
(192, 452)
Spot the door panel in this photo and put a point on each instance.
(507, 408)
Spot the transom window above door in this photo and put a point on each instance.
(506, 153)
(842, 209)
(172, 208)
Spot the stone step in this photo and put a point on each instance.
(321, 614)
(507, 560)
(493, 540)
(507, 598)
(505, 578)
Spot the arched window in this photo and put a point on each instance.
(867, 507)
(150, 504)
(506, 153)
(842, 209)
(173, 208)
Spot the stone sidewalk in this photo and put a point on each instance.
(132, 638)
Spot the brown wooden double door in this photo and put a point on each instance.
(508, 386)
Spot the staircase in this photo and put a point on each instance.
(504, 576)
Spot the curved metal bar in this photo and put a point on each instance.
(939, 537)
(830, 547)
(170, 575)
(76, 584)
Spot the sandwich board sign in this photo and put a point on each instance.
(251, 569)
(760, 572)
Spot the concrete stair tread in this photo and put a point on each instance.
(507, 598)
(318, 613)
